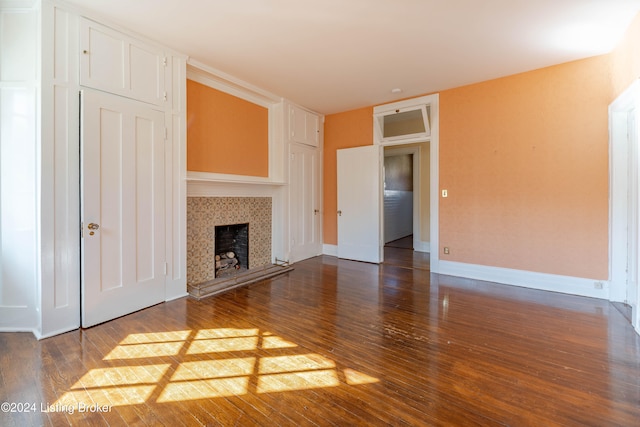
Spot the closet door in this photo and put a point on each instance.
(304, 202)
(123, 222)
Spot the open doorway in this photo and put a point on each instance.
(625, 203)
(406, 205)
(398, 200)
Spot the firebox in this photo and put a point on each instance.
(231, 249)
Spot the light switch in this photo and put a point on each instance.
(444, 193)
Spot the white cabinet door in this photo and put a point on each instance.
(304, 126)
(122, 180)
(304, 202)
(360, 204)
(117, 64)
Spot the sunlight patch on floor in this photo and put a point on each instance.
(297, 381)
(122, 375)
(353, 377)
(204, 389)
(221, 345)
(206, 369)
(204, 364)
(145, 351)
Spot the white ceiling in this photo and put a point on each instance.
(337, 55)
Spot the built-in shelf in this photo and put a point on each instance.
(212, 184)
(205, 177)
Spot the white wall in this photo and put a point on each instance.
(19, 190)
(398, 214)
(39, 168)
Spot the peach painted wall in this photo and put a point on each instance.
(343, 130)
(225, 134)
(525, 162)
(625, 59)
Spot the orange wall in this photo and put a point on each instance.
(525, 162)
(344, 130)
(225, 134)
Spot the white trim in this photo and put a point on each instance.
(527, 279)
(331, 250)
(434, 182)
(217, 79)
(419, 103)
(232, 189)
(619, 197)
(420, 246)
(230, 178)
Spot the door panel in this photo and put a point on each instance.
(633, 215)
(304, 201)
(114, 63)
(359, 204)
(122, 206)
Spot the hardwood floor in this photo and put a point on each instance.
(337, 342)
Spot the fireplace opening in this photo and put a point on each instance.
(231, 249)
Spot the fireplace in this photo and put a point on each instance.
(231, 249)
(216, 226)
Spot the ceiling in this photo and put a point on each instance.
(336, 55)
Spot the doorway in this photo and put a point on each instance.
(625, 200)
(401, 198)
(405, 214)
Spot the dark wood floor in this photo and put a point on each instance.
(337, 343)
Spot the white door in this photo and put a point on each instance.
(360, 204)
(304, 202)
(122, 180)
(633, 229)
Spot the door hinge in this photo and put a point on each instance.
(166, 268)
(81, 229)
(166, 134)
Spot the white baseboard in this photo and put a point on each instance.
(331, 250)
(527, 279)
(421, 246)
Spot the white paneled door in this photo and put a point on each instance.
(360, 204)
(123, 221)
(304, 201)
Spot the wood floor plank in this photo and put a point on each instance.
(338, 342)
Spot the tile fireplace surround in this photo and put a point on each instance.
(205, 213)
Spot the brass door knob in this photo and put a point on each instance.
(93, 226)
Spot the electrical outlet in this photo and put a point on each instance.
(597, 285)
(446, 250)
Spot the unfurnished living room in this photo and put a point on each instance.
(281, 212)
